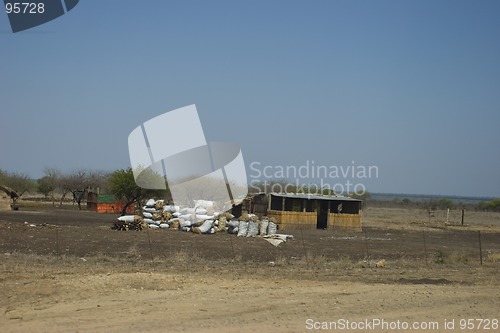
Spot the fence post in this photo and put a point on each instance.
(366, 244)
(463, 215)
(150, 248)
(480, 249)
(304, 247)
(57, 242)
(232, 247)
(425, 248)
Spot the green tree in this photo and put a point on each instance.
(445, 203)
(406, 201)
(45, 186)
(122, 185)
(493, 205)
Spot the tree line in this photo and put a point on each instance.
(59, 186)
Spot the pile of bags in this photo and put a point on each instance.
(200, 219)
(249, 225)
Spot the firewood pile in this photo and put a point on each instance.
(129, 222)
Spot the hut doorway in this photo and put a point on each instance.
(322, 222)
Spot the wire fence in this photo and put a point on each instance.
(424, 244)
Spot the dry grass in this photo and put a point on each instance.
(17, 266)
(459, 257)
(493, 257)
(411, 218)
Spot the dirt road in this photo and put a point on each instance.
(76, 275)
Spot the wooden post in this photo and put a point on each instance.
(232, 248)
(425, 247)
(57, 242)
(366, 244)
(463, 215)
(480, 249)
(448, 216)
(304, 247)
(150, 248)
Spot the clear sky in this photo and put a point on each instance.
(412, 87)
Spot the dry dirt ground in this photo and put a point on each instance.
(64, 271)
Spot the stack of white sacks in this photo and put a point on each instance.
(203, 219)
(249, 225)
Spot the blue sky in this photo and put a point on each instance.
(412, 87)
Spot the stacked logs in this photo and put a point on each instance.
(129, 222)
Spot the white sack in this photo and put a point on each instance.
(187, 210)
(272, 228)
(184, 223)
(242, 229)
(253, 229)
(206, 226)
(201, 211)
(171, 209)
(263, 227)
(233, 223)
(204, 217)
(126, 218)
(203, 204)
(186, 216)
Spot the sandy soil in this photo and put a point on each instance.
(75, 275)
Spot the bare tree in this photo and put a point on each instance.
(16, 183)
(50, 183)
(79, 182)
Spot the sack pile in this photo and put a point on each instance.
(249, 225)
(200, 219)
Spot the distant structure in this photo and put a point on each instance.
(305, 211)
(4, 201)
(107, 203)
(6, 196)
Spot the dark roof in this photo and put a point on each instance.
(313, 197)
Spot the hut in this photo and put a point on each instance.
(306, 211)
(107, 203)
(321, 211)
(4, 201)
(8, 195)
